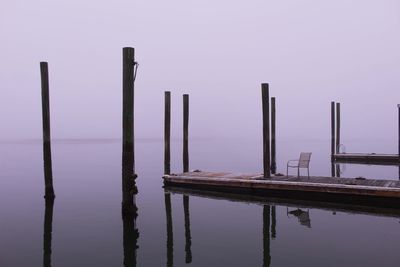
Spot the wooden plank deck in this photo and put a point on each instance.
(367, 158)
(321, 187)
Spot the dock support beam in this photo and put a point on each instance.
(266, 136)
(167, 133)
(185, 133)
(337, 128)
(273, 136)
(48, 175)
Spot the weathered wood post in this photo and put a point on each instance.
(266, 137)
(185, 133)
(170, 234)
(48, 173)
(266, 236)
(167, 133)
(188, 237)
(273, 136)
(337, 128)
(332, 130)
(398, 125)
(128, 102)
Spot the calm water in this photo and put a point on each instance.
(87, 226)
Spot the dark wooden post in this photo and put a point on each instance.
(128, 102)
(48, 229)
(170, 235)
(273, 136)
(185, 133)
(188, 237)
(332, 130)
(266, 236)
(337, 128)
(398, 139)
(266, 137)
(48, 174)
(167, 133)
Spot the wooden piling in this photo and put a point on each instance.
(266, 135)
(188, 237)
(48, 176)
(273, 136)
(185, 133)
(398, 132)
(128, 101)
(332, 130)
(337, 128)
(167, 133)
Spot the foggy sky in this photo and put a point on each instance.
(311, 52)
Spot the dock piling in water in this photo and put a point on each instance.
(167, 133)
(48, 176)
(128, 102)
(266, 134)
(337, 128)
(333, 150)
(185, 133)
(273, 136)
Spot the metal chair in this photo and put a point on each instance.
(302, 162)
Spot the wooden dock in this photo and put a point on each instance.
(357, 191)
(367, 158)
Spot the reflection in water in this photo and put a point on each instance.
(266, 236)
(170, 235)
(129, 209)
(49, 204)
(188, 238)
(273, 222)
(48, 226)
(302, 216)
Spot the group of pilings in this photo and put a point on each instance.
(269, 131)
(167, 133)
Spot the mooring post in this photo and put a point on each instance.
(266, 137)
(273, 136)
(185, 133)
(128, 102)
(332, 130)
(398, 125)
(337, 128)
(167, 133)
(48, 176)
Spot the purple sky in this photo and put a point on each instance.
(311, 52)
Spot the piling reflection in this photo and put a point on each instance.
(49, 204)
(129, 210)
(266, 236)
(188, 238)
(170, 235)
(273, 222)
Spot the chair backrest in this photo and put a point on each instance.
(304, 160)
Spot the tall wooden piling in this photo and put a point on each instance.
(332, 130)
(48, 176)
(167, 133)
(128, 65)
(398, 131)
(185, 133)
(273, 136)
(337, 128)
(188, 237)
(266, 135)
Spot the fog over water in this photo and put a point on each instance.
(311, 52)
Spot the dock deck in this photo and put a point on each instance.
(381, 192)
(367, 158)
